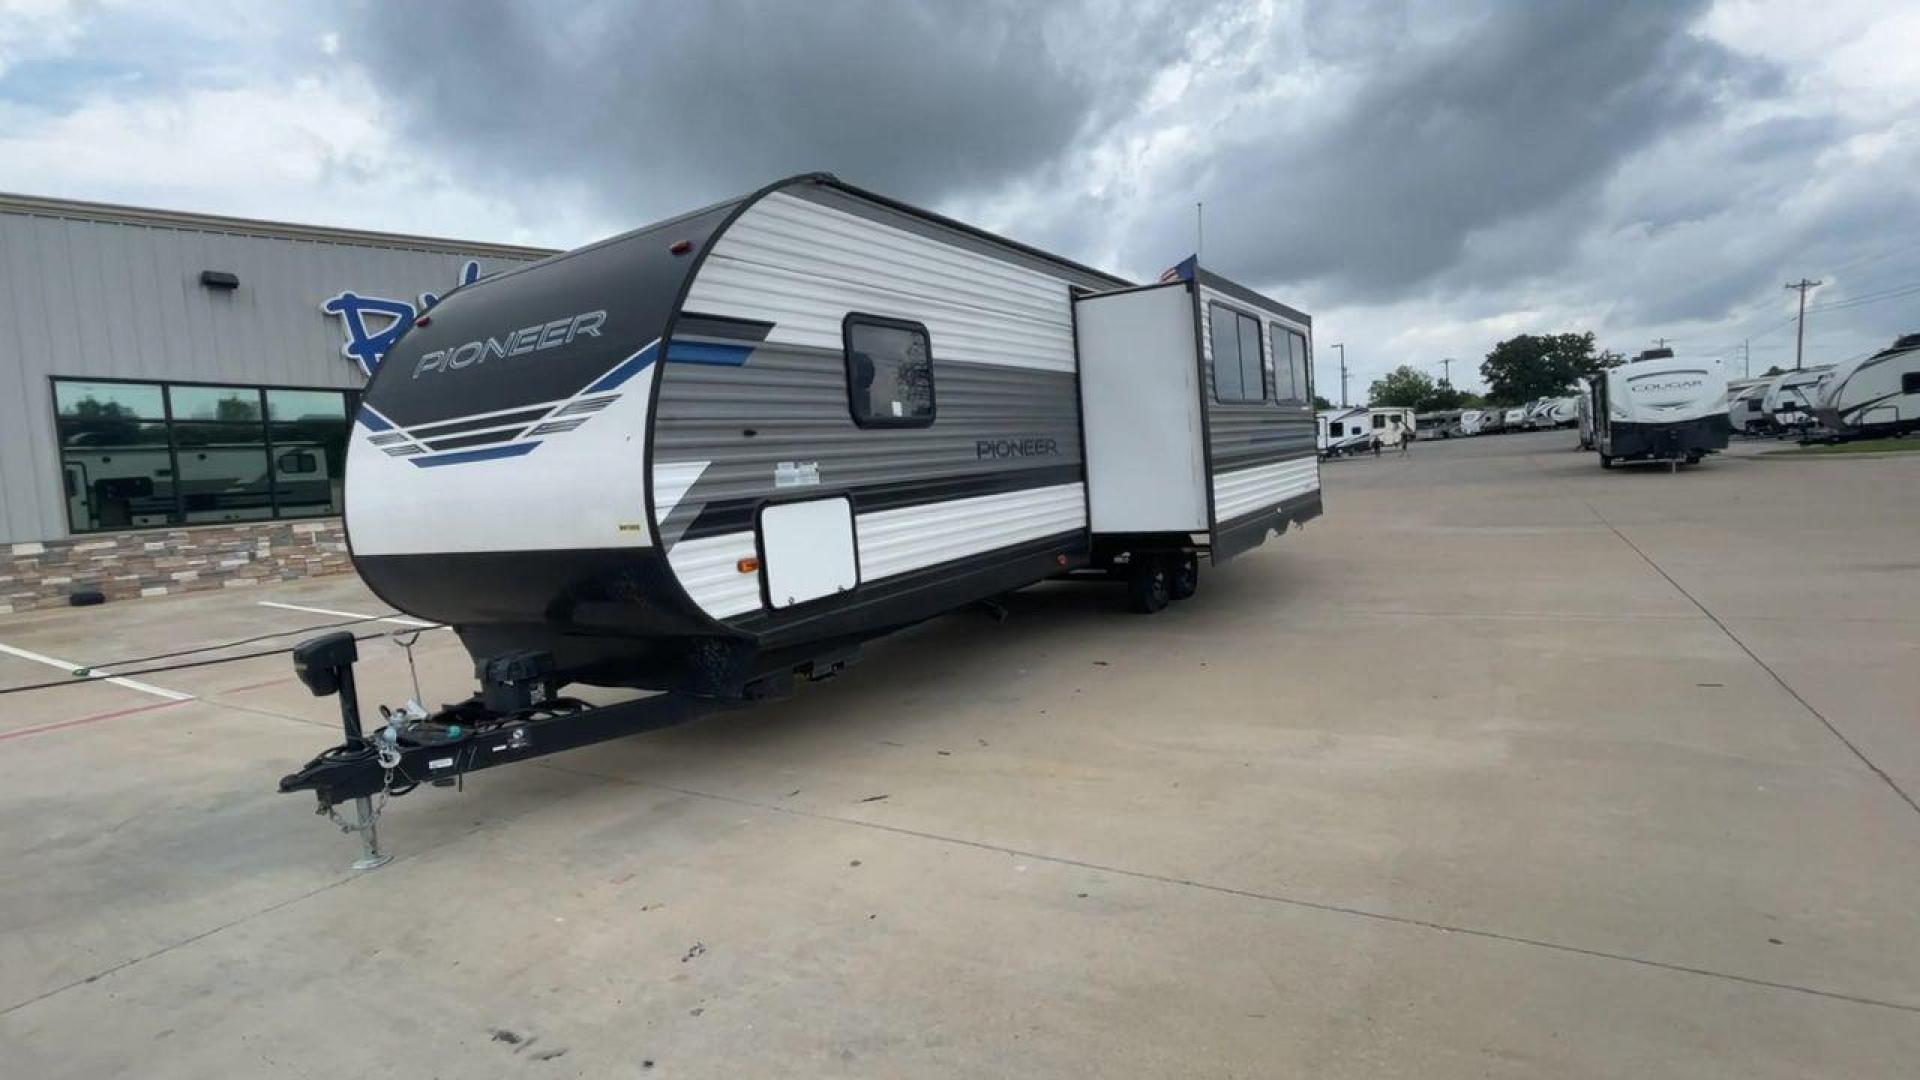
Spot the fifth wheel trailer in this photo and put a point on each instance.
(720, 452)
(1875, 396)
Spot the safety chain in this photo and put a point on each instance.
(389, 757)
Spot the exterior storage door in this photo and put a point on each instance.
(806, 551)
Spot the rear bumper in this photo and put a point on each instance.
(1663, 442)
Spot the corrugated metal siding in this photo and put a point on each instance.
(83, 298)
(1244, 435)
(803, 266)
(1001, 338)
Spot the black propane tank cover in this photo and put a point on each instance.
(86, 597)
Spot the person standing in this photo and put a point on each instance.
(1406, 439)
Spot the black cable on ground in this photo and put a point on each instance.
(84, 679)
(85, 669)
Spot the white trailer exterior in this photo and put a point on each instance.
(1875, 396)
(1789, 401)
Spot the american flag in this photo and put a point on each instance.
(1179, 271)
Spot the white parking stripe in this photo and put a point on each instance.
(401, 619)
(70, 667)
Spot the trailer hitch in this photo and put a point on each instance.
(515, 716)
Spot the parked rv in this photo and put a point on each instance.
(1339, 432)
(1876, 396)
(1583, 412)
(1789, 401)
(1659, 408)
(1391, 422)
(838, 415)
(1473, 421)
(1746, 406)
(1514, 419)
(1440, 424)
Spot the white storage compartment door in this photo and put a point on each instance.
(807, 550)
(1140, 401)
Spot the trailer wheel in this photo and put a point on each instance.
(1606, 461)
(1186, 576)
(1151, 586)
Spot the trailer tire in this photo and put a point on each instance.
(1151, 585)
(1186, 576)
(1606, 461)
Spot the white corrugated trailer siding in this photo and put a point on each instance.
(1001, 337)
(1237, 432)
(106, 292)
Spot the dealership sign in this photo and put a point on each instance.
(368, 341)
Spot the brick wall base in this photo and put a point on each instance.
(158, 562)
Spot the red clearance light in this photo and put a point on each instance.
(424, 320)
(680, 247)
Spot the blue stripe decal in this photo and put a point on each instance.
(704, 352)
(485, 454)
(373, 420)
(624, 370)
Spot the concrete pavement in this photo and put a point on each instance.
(1507, 766)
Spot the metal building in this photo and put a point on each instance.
(175, 389)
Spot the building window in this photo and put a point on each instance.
(889, 372)
(1239, 368)
(138, 454)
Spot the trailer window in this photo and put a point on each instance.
(1239, 368)
(889, 372)
(1910, 382)
(1290, 365)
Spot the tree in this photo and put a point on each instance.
(1403, 387)
(1531, 366)
(1321, 403)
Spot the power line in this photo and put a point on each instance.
(1892, 293)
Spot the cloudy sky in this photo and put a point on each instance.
(1425, 178)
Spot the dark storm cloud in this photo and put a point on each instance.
(1414, 148)
(1528, 106)
(659, 107)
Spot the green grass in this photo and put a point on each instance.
(1862, 446)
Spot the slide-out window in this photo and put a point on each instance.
(1290, 375)
(889, 372)
(1239, 368)
(1910, 382)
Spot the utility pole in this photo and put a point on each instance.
(1446, 370)
(1660, 342)
(1800, 341)
(1199, 229)
(1746, 358)
(1342, 346)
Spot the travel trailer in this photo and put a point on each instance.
(1659, 408)
(1874, 397)
(1473, 421)
(1388, 421)
(717, 454)
(1746, 406)
(1339, 432)
(1440, 424)
(1789, 400)
(1583, 413)
(1557, 412)
(1514, 419)
(727, 448)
